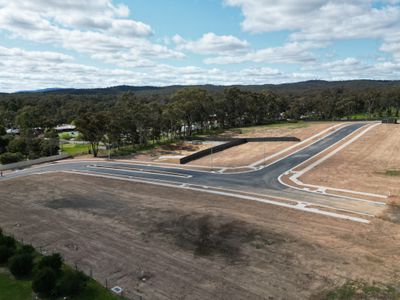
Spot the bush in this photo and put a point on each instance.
(21, 265)
(7, 241)
(53, 262)
(5, 253)
(72, 283)
(9, 158)
(49, 147)
(44, 282)
(18, 145)
(26, 249)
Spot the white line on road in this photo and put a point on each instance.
(235, 195)
(297, 174)
(296, 145)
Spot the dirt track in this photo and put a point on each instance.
(249, 153)
(194, 246)
(362, 166)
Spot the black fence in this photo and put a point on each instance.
(389, 121)
(273, 139)
(215, 149)
(230, 142)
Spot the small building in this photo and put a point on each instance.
(13, 131)
(65, 127)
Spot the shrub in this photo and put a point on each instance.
(18, 145)
(49, 147)
(5, 253)
(9, 158)
(53, 262)
(72, 283)
(44, 282)
(21, 265)
(7, 241)
(26, 249)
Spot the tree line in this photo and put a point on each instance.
(130, 119)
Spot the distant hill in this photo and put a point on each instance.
(298, 87)
(40, 91)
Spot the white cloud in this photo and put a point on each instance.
(290, 53)
(105, 31)
(350, 68)
(36, 56)
(321, 20)
(317, 16)
(210, 43)
(97, 27)
(50, 69)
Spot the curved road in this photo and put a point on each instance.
(263, 181)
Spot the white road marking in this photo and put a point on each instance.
(306, 187)
(235, 195)
(298, 144)
(142, 171)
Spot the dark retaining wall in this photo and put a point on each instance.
(214, 149)
(231, 142)
(390, 121)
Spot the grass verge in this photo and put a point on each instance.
(14, 289)
(355, 290)
(392, 173)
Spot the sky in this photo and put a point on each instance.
(102, 43)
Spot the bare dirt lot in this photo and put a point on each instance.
(371, 164)
(249, 153)
(170, 153)
(164, 243)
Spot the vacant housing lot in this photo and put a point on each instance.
(164, 243)
(249, 153)
(371, 164)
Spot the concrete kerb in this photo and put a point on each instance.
(297, 174)
(303, 207)
(216, 169)
(257, 163)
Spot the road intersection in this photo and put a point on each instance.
(261, 185)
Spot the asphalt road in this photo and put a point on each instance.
(262, 181)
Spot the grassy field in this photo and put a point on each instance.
(14, 289)
(362, 290)
(21, 290)
(75, 149)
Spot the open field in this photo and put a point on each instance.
(190, 245)
(249, 153)
(371, 164)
